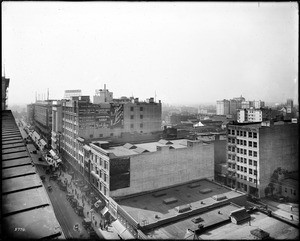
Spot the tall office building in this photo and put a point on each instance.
(223, 107)
(254, 151)
(43, 119)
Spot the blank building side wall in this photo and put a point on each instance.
(278, 147)
(150, 171)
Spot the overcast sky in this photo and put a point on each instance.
(188, 53)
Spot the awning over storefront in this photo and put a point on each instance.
(118, 226)
(53, 154)
(104, 211)
(36, 135)
(122, 231)
(95, 175)
(43, 143)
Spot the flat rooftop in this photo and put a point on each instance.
(135, 149)
(144, 208)
(178, 230)
(277, 229)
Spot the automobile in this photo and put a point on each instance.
(40, 159)
(34, 151)
(197, 220)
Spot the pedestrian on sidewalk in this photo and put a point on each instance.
(291, 207)
(292, 217)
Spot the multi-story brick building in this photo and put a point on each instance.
(30, 114)
(223, 107)
(83, 119)
(118, 171)
(43, 119)
(255, 150)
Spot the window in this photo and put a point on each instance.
(238, 158)
(238, 167)
(141, 116)
(254, 144)
(131, 125)
(255, 163)
(229, 156)
(233, 141)
(233, 157)
(250, 153)
(238, 141)
(250, 134)
(229, 165)
(229, 131)
(255, 153)
(238, 150)
(242, 168)
(245, 160)
(229, 140)
(250, 143)
(250, 171)
(245, 152)
(285, 189)
(255, 180)
(141, 125)
(131, 117)
(131, 108)
(106, 165)
(141, 108)
(245, 133)
(250, 162)
(255, 172)
(254, 135)
(237, 133)
(232, 149)
(250, 179)
(245, 143)
(245, 169)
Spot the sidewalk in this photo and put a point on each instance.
(110, 233)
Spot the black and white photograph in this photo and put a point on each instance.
(149, 120)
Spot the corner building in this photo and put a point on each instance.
(119, 171)
(255, 150)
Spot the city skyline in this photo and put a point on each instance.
(186, 53)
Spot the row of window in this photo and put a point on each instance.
(242, 133)
(132, 108)
(250, 179)
(244, 143)
(244, 152)
(141, 125)
(132, 117)
(244, 160)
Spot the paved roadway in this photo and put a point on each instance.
(64, 213)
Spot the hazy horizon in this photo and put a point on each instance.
(187, 53)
